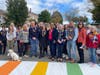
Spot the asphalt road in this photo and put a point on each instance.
(86, 56)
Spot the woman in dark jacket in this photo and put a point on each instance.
(1, 43)
(3, 33)
(52, 38)
(43, 41)
(60, 42)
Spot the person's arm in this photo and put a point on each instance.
(76, 34)
(84, 36)
(66, 35)
(21, 37)
(7, 36)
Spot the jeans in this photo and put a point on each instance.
(34, 47)
(71, 49)
(59, 52)
(92, 54)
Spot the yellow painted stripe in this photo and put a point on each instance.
(40, 68)
(8, 67)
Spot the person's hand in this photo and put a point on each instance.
(34, 38)
(0, 41)
(59, 41)
(21, 41)
(69, 37)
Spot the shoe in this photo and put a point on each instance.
(52, 59)
(49, 57)
(40, 57)
(72, 61)
(80, 62)
(35, 55)
(26, 56)
(69, 59)
(61, 60)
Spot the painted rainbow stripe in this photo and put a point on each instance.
(46, 68)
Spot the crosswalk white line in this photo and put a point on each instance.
(56, 69)
(88, 69)
(24, 68)
(2, 63)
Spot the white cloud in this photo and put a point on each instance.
(51, 5)
(2, 4)
(34, 5)
(59, 1)
(84, 8)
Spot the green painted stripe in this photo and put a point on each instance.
(73, 69)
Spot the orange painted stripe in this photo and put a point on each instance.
(8, 67)
(40, 68)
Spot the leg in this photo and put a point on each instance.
(0, 49)
(54, 50)
(32, 50)
(69, 49)
(20, 49)
(90, 54)
(73, 51)
(50, 45)
(81, 53)
(25, 48)
(94, 55)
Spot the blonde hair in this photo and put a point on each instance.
(25, 27)
(94, 27)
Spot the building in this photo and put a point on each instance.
(32, 16)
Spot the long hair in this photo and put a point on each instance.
(80, 23)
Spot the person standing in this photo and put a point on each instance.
(60, 43)
(71, 35)
(52, 37)
(92, 42)
(11, 35)
(43, 41)
(33, 38)
(3, 33)
(1, 43)
(81, 41)
(18, 34)
(24, 40)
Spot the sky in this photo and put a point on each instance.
(83, 6)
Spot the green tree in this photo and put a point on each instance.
(44, 16)
(17, 11)
(80, 18)
(56, 17)
(96, 11)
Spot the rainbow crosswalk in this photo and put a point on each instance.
(47, 68)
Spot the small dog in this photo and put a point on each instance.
(14, 56)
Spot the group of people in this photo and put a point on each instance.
(51, 40)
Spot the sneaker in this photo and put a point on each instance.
(20, 58)
(26, 56)
(93, 65)
(52, 59)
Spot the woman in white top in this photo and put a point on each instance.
(11, 35)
